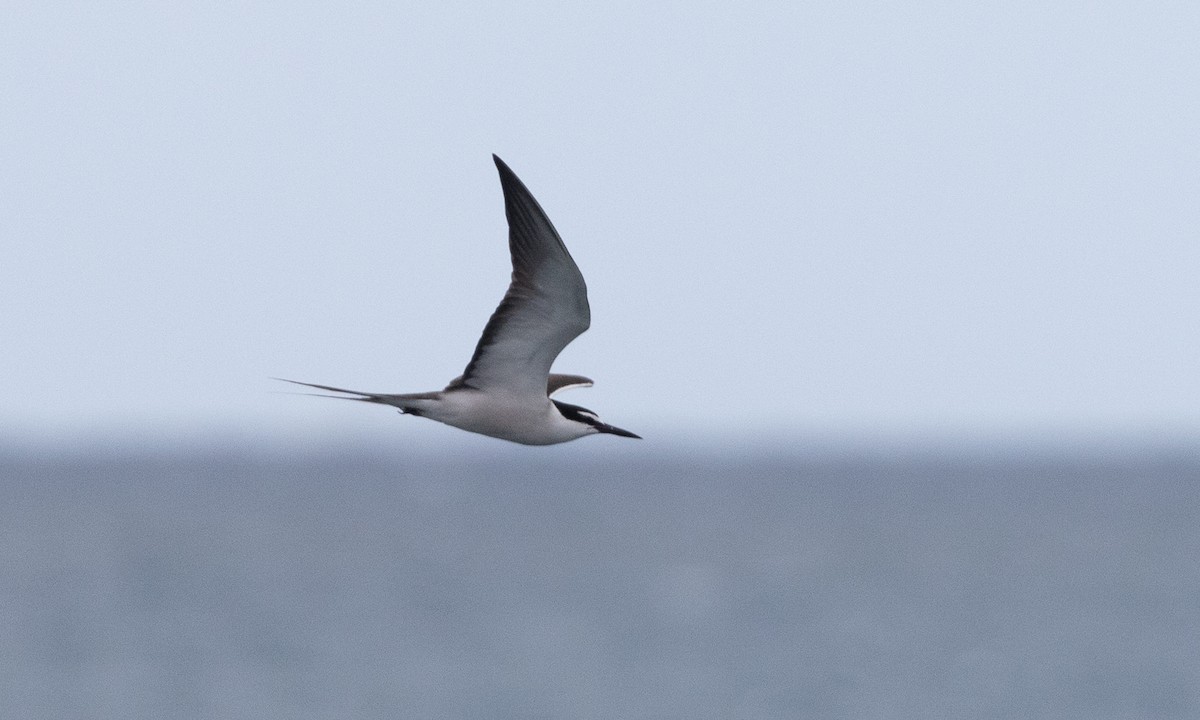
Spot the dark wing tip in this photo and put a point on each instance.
(508, 178)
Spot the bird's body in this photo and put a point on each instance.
(505, 390)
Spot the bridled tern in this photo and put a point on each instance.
(506, 390)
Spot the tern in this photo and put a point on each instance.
(507, 388)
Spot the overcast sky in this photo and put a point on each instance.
(794, 218)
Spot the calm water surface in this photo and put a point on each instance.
(204, 586)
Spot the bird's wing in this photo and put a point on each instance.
(544, 309)
(557, 383)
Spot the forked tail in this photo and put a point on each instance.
(409, 403)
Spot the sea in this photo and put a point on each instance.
(666, 584)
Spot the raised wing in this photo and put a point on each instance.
(545, 308)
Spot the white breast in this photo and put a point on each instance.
(529, 421)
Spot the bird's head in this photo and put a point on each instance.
(584, 416)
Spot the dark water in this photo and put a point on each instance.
(202, 586)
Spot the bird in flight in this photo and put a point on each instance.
(507, 388)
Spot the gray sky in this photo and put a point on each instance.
(855, 218)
